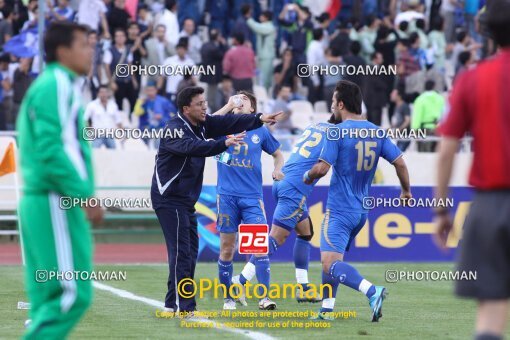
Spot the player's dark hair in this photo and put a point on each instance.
(350, 94)
(498, 22)
(251, 97)
(318, 33)
(429, 85)
(60, 34)
(186, 95)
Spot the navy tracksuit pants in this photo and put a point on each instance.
(180, 230)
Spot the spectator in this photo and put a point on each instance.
(241, 25)
(407, 64)
(448, 8)
(94, 78)
(188, 80)
(411, 13)
(464, 43)
(284, 127)
(93, 14)
(403, 30)
(118, 17)
(156, 112)
(437, 43)
(212, 54)
(465, 60)
(224, 92)
(330, 80)
(299, 29)
(104, 114)
(6, 25)
(340, 42)
(470, 11)
(416, 51)
(177, 62)
(323, 22)
(367, 37)
(194, 42)
(420, 29)
(21, 81)
(62, 12)
(144, 20)
(401, 119)
(6, 122)
(134, 40)
(124, 85)
(355, 59)
(375, 94)
(239, 64)
(266, 36)
(158, 49)
(427, 110)
(315, 56)
(285, 73)
(169, 20)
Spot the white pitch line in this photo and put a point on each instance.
(155, 303)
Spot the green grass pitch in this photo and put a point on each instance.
(413, 310)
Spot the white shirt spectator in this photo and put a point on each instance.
(169, 20)
(408, 16)
(194, 46)
(89, 13)
(315, 56)
(103, 118)
(108, 57)
(173, 81)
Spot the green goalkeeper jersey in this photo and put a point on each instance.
(54, 156)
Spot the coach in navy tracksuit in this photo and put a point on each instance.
(177, 180)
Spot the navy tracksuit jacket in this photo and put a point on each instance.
(176, 186)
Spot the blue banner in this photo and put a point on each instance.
(390, 234)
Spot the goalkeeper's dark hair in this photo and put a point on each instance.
(251, 97)
(60, 34)
(350, 94)
(185, 96)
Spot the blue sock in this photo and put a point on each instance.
(242, 278)
(328, 300)
(263, 272)
(350, 277)
(225, 269)
(301, 260)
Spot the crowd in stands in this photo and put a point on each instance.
(257, 45)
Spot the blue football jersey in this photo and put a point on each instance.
(304, 155)
(354, 161)
(243, 177)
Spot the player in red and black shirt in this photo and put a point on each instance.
(480, 104)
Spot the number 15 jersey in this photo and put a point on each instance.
(354, 161)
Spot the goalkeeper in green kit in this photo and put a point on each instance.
(55, 163)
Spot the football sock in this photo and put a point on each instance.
(225, 269)
(301, 260)
(350, 277)
(263, 272)
(328, 300)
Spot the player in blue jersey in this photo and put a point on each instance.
(291, 212)
(240, 193)
(354, 161)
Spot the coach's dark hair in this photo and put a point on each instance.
(268, 15)
(318, 33)
(350, 94)
(252, 99)
(186, 95)
(239, 37)
(429, 85)
(60, 34)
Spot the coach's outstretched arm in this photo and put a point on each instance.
(191, 146)
(217, 125)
